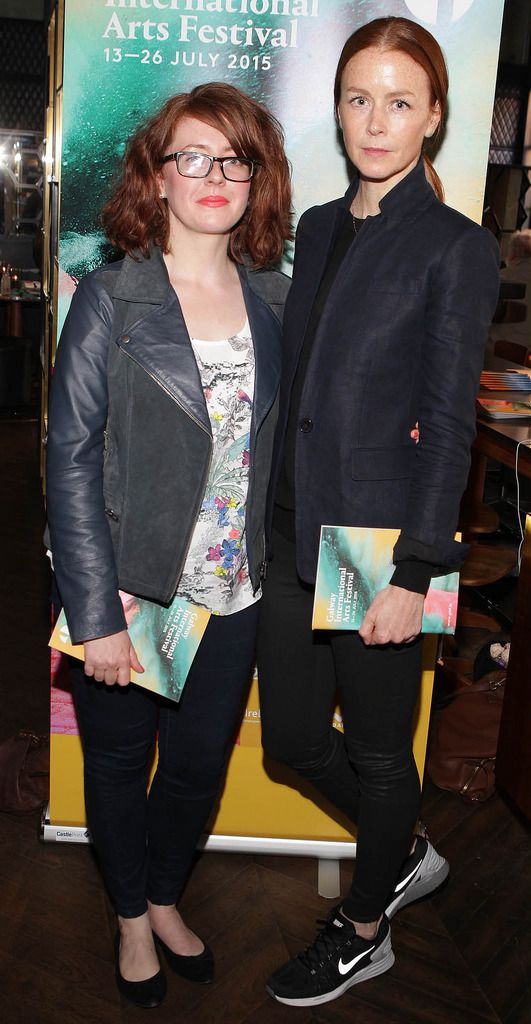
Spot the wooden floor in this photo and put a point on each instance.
(462, 958)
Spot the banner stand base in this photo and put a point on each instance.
(328, 879)
(323, 849)
(62, 833)
(327, 853)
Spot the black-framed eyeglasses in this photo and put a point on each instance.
(199, 165)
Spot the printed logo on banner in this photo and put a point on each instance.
(250, 734)
(433, 11)
(73, 835)
(190, 27)
(337, 721)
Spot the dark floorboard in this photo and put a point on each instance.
(463, 957)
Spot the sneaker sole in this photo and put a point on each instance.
(384, 963)
(433, 873)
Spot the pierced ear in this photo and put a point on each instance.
(160, 184)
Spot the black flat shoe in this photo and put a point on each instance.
(198, 968)
(148, 993)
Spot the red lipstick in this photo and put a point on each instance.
(213, 201)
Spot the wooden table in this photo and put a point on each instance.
(498, 439)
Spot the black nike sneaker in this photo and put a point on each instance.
(337, 959)
(422, 873)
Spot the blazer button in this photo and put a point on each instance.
(126, 338)
(306, 426)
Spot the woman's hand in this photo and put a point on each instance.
(110, 659)
(394, 617)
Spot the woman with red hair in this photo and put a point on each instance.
(385, 326)
(162, 417)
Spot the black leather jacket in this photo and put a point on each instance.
(129, 438)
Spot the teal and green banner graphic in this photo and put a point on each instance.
(124, 58)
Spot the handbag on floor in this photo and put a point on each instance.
(24, 772)
(464, 736)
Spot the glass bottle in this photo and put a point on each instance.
(5, 280)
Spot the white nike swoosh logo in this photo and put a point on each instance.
(345, 968)
(406, 880)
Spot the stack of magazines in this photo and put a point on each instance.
(497, 409)
(506, 380)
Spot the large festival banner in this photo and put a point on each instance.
(122, 59)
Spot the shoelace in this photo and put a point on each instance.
(328, 941)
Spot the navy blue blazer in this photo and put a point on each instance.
(400, 340)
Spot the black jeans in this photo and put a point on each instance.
(145, 845)
(369, 773)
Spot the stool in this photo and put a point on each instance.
(484, 564)
(476, 517)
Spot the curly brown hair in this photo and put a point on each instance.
(135, 217)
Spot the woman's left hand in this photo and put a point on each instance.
(394, 617)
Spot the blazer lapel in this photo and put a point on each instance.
(309, 271)
(266, 334)
(149, 327)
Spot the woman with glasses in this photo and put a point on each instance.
(385, 326)
(162, 418)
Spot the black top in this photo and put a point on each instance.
(411, 575)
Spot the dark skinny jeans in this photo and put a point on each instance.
(368, 773)
(145, 845)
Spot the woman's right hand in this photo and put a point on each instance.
(110, 659)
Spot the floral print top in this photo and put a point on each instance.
(215, 573)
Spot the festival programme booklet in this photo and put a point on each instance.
(497, 409)
(165, 639)
(356, 562)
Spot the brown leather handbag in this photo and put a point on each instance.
(464, 737)
(24, 772)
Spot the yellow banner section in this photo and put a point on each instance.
(260, 798)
